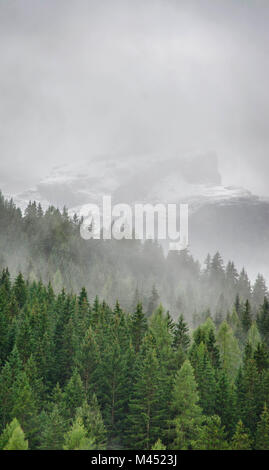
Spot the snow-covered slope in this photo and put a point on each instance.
(229, 219)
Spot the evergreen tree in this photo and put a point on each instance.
(261, 357)
(74, 394)
(20, 290)
(76, 438)
(229, 350)
(248, 391)
(153, 301)
(181, 335)
(262, 436)
(241, 439)
(87, 359)
(263, 320)
(186, 411)
(253, 337)
(24, 407)
(145, 406)
(246, 317)
(225, 405)
(138, 326)
(92, 420)
(158, 445)
(259, 292)
(52, 432)
(211, 436)
(13, 437)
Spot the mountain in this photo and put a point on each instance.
(222, 218)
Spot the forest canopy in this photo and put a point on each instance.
(115, 346)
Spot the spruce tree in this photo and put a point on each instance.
(246, 317)
(181, 335)
(91, 417)
(153, 301)
(262, 435)
(52, 431)
(76, 438)
(13, 437)
(241, 439)
(145, 408)
(185, 409)
(138, 327)
(229, 350)
(158, 445)
(74, 395)
(225, 405)
(211, 435)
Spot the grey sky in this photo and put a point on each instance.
(109, 77)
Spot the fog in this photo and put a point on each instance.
(81, 80)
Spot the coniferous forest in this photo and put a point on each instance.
(113, 345)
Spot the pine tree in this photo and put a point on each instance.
(263, 320)
(13, 437)
(244, 287)
(20, 290)
(262, 436)
(181, 335)
(211, 436)
(158, 445)
(76, 438)
(114, 372)
(213, 349)
(205, 378)
(8, 377)
(248, 391)
(145, 406)
(241, 439)
(186, 412)
(24, 407)
(225, 405)
(74, 394)
(87, 359)
(229, 350)
(53, 428)
(238, 306)
(246, 317)
(261, 357)
(138, 327)
(253, 337)
(259, 292)
(153, 301)
(91, 417)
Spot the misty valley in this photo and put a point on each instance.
(134, 231)
(110, 344)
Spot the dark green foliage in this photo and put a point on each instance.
(263, 320)
(211, 435)
(246, 317)
(81, 376)
(138, 326)
(181, 335)
(248, 392)
(146, 409)
(262, 436)
(52, 430)
(225, 405)
(91, 417)
(186, 413)
(74, 395)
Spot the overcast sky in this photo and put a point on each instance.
(111, 77)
